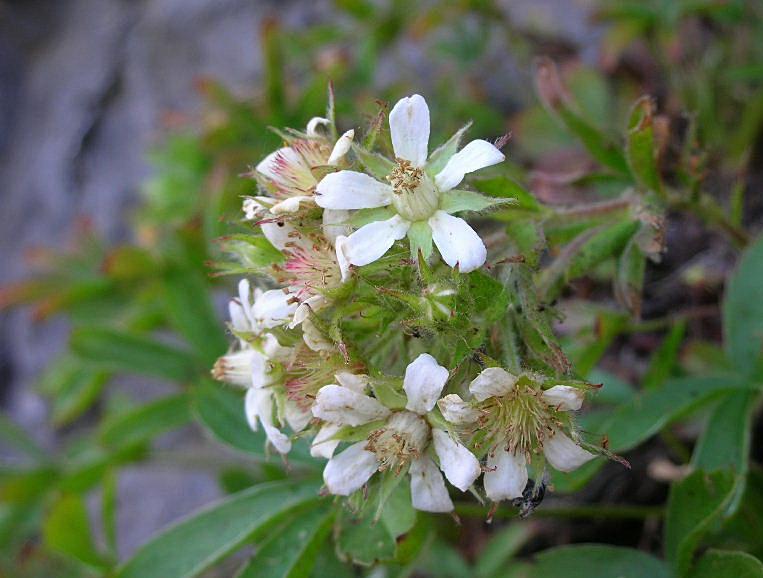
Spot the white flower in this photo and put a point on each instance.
(288, 171)
(520, 418)
(403, 440)
(273, 308)
(413, 195)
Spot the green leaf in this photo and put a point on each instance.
(146, 422)
(459, 200)
(649, 412)
(196, 543)
(67, 530)
(629, 277)
(695, 503)
(188, 305)
(556, 100)
(501, 548)
(119, 351)
(664, 360)
(743, 310)
(640, 147)
(14, 435)
(725, 564)
(597, 561)
(292, 552)
(221, 412)
(363, 540)
(420, 239)
(725, 442)
(583, 253)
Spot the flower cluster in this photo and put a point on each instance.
(328, 222)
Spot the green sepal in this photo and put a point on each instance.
(441, 155)
(375, 164)
(420, 238)
(459, 200)
(365, 216)
(389, 392)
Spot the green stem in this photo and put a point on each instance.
(471, 510)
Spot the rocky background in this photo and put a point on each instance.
(86, 88)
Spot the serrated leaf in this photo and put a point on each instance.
(191, 546)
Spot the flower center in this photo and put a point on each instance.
(402, 439)
(416, 198)
(521, 420)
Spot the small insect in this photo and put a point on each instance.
(531, 497)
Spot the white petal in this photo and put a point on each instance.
(457, 242)
(457, 463)
(236, 367)
(274, 350)
(564, 454)
(428, 491)
(351, 190)
(261, 376)
(352, 381)
(564, 397)
(274, 308)
(314, 303)
(423, 383)
(316, 126)
(238, 319)
(290, 205)
(371, 241)
(323, 445)
(457, 411)
(258, 404)
(341, 257)
(313, 337)
(476, 155)
(506, 475)
(245, 297)
(253, 208)
(341, 147)
(409, 129)
(343, 406)
(492, 382)
(269, 165)
(347, 472)
(335, 224)
(296, 417)
(279, 234)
